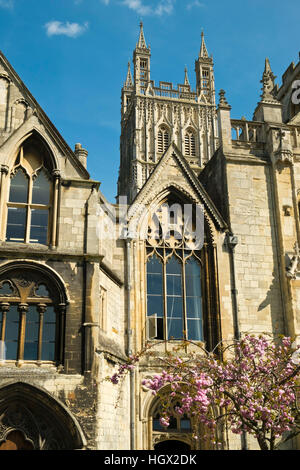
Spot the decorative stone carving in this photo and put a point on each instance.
(4, 169)
(223, 102)
(292, 269)
(12, 289)
(35, 430)
(284, 152)
(268, 81)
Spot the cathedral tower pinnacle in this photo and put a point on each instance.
(186, 78)
(141, 62)
(203, 49)
(205, 82)
(157, 116)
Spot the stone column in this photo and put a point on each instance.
(41, 308)
(60, 332)
(3, 174)
(81, 154)
(4, 308)
(23, 309)
(224, 121)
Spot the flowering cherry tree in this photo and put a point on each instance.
(250, 386)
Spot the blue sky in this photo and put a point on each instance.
(73, 54)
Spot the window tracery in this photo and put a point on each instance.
(31, 318)
(190, 143)
(179, 429)
(29, 196)
(174, 278)
(163, 139)
(29, 201)
(181, 278)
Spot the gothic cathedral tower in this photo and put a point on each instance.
(152, 117)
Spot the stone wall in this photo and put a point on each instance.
(253, 222)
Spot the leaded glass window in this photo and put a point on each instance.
(174, 275)
(29, 201)
(163, 139)
(178, 422)
(190, 143)
(30, 319)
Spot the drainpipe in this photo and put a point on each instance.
(86, 334)
(232, 241)
(129, 340)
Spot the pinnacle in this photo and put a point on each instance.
(129, 81)
(268, 81)
(267, 65)
(223, 101)
(203, 50)
(141, 42)
(186, 78)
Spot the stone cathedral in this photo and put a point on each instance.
(81, 290)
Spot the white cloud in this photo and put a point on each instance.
(164, 7)
(161, 8)
(6, 4)
(193, 4)
(72, 30)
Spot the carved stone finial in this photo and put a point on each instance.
(141, 42)
(268, 81)
(4, 169)
(129, 81)
(186, 78)
(203, 49)
(81, 154)
(223, 102)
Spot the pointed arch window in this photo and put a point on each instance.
(174, 279)
(180, 425)
(190, 143)
(163, 139)
(205, 81)
(181, 280)
(30, 197)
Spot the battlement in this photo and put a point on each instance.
(167, 90)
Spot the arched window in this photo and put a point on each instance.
(29, 202)
(163, 139)
(190, 143)
(179, 430)
(177, 423)
(31, 317)
(174, 278)
(182, 298)
(174, 294)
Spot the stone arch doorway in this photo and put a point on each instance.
(31, 419)
(172, 445)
